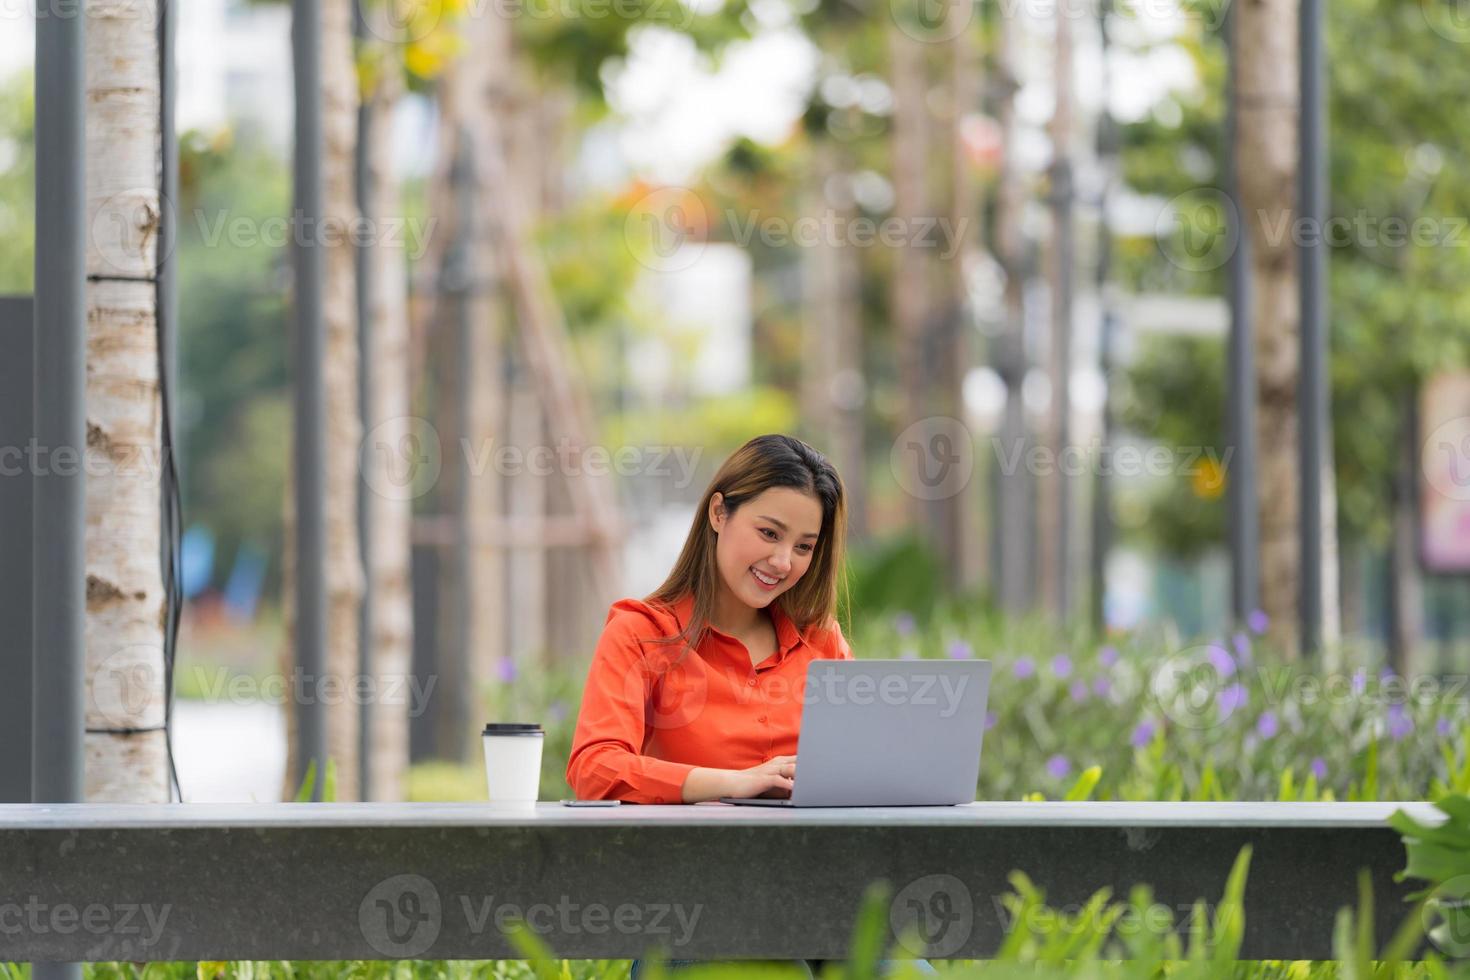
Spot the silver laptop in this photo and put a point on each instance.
(888, 733)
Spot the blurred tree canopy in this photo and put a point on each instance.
(1398, 309)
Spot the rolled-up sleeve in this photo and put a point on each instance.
(605, 762)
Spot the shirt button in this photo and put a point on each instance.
(752, 682)
(763, 719)
(658, 799)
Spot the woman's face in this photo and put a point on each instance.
(770, 537)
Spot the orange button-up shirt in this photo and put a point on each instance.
(644, 724)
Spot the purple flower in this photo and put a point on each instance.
(1061, 665)
(908, 653)
(507, 670)
(989, 720)
(1078, 691)
(1231, 698)
(1443, 727)
(1023, 667)
(1360, 682)
(1385, 675)
(1057, 767)
(904, 623)
(1243, 648)
(1258, 621)
(1221, 661)
(1399, 722)
(1102, 687)
(1107, 656)
(960, 650)
(1267, 726)
(1143, 734)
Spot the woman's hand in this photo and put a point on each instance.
(773, 778)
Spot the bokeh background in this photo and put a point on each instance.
(661, 227)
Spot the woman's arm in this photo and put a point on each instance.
(707, 784)
(605, 763)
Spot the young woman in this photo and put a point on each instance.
(695, 692)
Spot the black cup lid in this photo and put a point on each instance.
(513, 728)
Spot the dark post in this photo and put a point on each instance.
(1102, 495)
(310, 405)
(60, 389)
(59, 559)
(1240, 401)
(16, 429)
(1312, 390)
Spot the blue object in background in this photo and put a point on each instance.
(242, 591)
(196, 560)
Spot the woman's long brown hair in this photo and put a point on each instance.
(762, 463)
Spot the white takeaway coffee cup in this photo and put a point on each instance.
(513, 762)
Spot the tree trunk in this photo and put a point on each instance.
(959, 513)
(910, 285)
(1267, 153)
(386, 415)
(833, 386)
(1013, 495)
(125, 749)
(1055, 546)
(344, 573)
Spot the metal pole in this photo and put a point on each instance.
(363, 177)
(1312, 390)
(58, 556)
(310, 405)
(1240, 408)
(464, 276)
(17, 428)
(1061, 380)
(1102, 496)
(1062, 201)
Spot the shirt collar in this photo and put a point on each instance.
(787, 635)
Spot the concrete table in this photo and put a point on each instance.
(86, 882)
